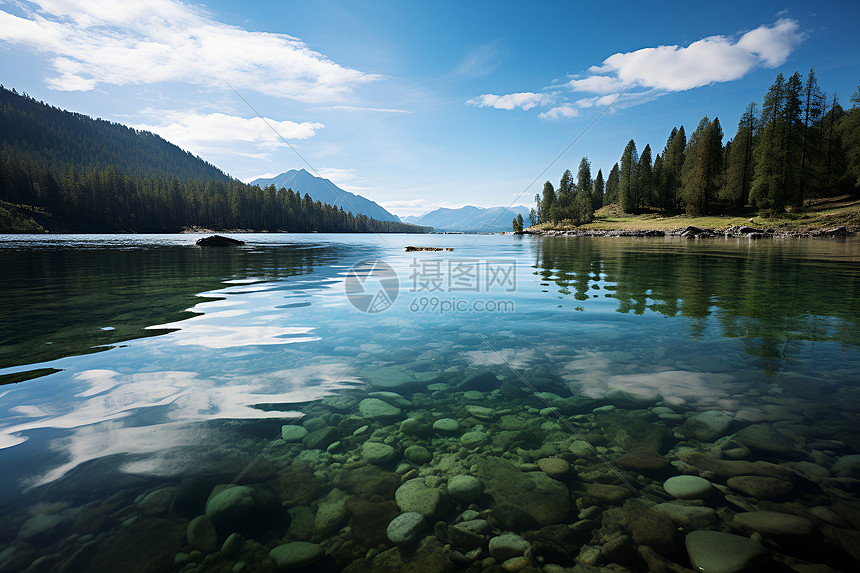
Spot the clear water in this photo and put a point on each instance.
(140, 372)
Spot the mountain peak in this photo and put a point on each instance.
(323, 190)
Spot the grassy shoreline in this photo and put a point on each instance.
(817, 215)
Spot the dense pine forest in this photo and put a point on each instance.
(67, 172)
(800, 144)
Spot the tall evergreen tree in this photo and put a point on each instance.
(776, 182)
(612, 183)
(548, 204)
(669, 183)
(565, 194)
(702, 167)
(814, 105)
(645, 178)
(739, 166)
(627, 185)
(597, 191)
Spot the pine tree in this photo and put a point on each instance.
(612, 183)
(739, 165)
(582, 209)
(669, 182)
(583, 176)
(702, 167)
(627, 186)
(548, 204)
(645, 179)
(597, 191)
(565, 194)
(814, 104)
(776, 182)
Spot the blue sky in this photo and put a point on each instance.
(418, 105)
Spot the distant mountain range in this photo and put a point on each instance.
(471, 219)
(301, 182)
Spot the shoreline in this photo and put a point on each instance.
(736, 231)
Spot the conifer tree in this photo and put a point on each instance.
(702, 167)
(645, 178)
(548, 204)
(565, 194)
(627, 185)
(739, 164)
(597, 191)
(814, 104)
(612, 183)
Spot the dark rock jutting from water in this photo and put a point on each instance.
(219, 241)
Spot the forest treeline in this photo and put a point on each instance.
(798, 145)
(63, 171)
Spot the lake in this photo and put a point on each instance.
(303, 400)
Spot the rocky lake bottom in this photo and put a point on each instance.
(483, 474)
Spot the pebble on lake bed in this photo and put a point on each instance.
(688, 487)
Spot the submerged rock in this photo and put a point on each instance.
(377, 452)
(707, 426)
(376, 409)
(418, 455)
(543, 500)
(504, 547)
(446, 426)
(405, 528)
(765, 438)
(465, 488)
(201, 534)
(723, 469)
(773, 523)
(415, 496)
(555, 468)
(761, 487)
(236, 505)
(688, 516)
(296, 554)
(688, 487)
(718, 552)
(293, 433)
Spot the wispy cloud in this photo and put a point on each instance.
(644, 75)
(95, 42)
(200, 132)
(522, 100)
(479, 61)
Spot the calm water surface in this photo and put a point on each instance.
(142, 376)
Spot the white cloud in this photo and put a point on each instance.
(95, 42)
(772, 44)
(197, 132)
(596, 84)
(523, 100)
(559, 112)
(706, 61)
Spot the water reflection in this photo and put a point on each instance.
(768, 294)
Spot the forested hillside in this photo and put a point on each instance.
(62, 171)
(799, 144)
